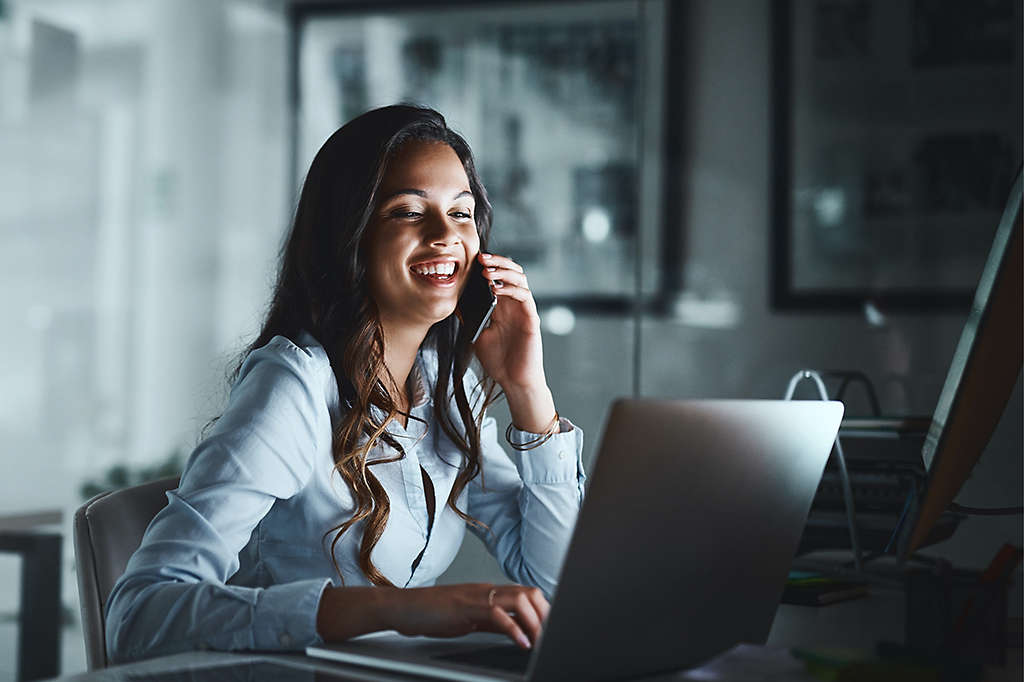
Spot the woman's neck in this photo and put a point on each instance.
(401, 344)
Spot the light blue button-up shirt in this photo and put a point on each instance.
(241, 554)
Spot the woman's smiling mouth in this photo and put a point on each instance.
(437, 273)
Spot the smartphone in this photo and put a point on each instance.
(476, 302)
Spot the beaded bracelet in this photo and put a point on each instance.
(551, 430)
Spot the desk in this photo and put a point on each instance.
(853, 624)
(39, 607)
(193, 667)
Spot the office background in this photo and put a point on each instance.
(150, 150)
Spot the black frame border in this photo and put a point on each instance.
(783, 296)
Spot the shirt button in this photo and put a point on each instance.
(561, 454)
(285, 640)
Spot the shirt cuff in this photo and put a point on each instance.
(557, 460)
(285, 615)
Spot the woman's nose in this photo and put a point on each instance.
(441, 232)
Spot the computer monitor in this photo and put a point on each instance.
(981, 377)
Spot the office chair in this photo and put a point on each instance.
(108, 530)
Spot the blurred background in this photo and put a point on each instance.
(709, 195)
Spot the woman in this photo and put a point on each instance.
(355, 447)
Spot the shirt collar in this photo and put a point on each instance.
(416, 384)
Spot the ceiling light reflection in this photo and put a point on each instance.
(558, 320)
(597, 225)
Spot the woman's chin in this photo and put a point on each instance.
(439, 313)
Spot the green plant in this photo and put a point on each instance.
(123, 476)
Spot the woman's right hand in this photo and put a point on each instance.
(442, 611)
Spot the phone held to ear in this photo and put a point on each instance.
(477, 301)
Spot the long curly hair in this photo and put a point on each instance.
(322, 288)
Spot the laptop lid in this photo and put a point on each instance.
(690, 524)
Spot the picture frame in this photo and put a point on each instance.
(896, 136)
(560, 102)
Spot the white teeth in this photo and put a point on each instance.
(435, 269)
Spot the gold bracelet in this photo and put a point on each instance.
(551, 430)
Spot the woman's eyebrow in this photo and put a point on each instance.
(399, 192)
(422, 193)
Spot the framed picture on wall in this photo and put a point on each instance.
(548, 95)
(896, 139)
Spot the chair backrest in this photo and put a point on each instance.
(108, 530)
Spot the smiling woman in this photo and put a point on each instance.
(362, 369)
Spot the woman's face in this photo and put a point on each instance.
(422, 236)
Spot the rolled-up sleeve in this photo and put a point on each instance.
(173, 595)
(529, 502)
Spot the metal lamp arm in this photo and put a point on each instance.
(844, 475)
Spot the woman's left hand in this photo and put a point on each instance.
(510, 348)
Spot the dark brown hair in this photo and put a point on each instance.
(322, 288)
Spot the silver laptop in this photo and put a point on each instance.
(681, 550)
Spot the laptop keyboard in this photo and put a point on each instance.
(506, 657)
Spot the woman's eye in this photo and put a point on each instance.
(461, 215)
(404, 213)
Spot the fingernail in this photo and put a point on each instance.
(525, 642)
(485, 256)
(491, 268)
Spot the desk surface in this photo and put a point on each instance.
(207, 666)
(856, 624)
(27, 521)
